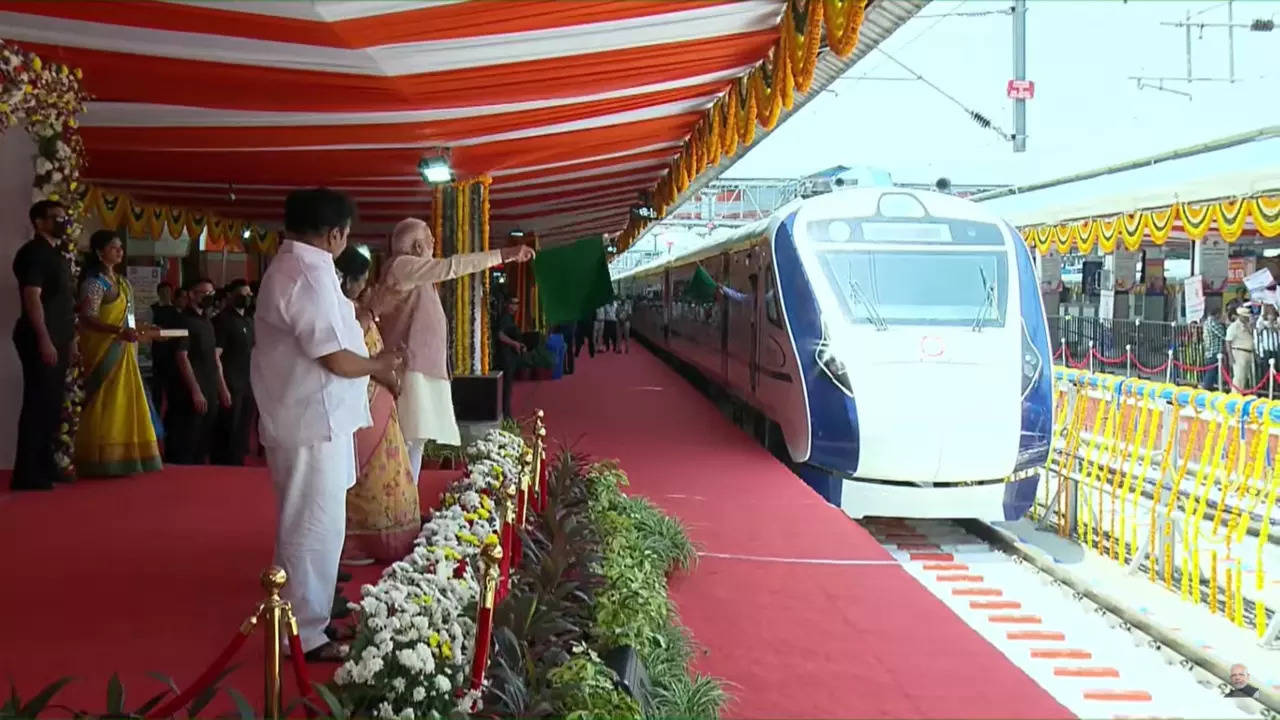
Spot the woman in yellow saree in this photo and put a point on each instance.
(383, 518)
(116, 436)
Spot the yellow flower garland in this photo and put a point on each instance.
(760, 97)
(1130, 230)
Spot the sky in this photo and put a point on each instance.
(1087, 111)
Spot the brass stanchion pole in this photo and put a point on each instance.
(273, 580)
(492, 570)
(525, 487)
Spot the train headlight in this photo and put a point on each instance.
(1032, 364)
(834, 369)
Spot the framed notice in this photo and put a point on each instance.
(1193, 298)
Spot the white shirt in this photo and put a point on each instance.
(302, 316)
(609, 312)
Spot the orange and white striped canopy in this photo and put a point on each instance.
(575, 109)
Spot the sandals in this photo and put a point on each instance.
(330, 652)
(340, 633)
(340, 610)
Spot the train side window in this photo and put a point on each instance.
(771, 311)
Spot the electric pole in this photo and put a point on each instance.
(1019, 74)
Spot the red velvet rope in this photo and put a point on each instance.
(298, 656)
(205, 680)
(505, 565)
(1226, 376)
(542, 483)
(484, 633)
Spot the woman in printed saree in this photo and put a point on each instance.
(116, 436)
(382, 508)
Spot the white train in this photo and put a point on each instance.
(891, 343)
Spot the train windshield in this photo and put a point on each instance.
(905, 287)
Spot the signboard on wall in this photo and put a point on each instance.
(1211, 261)
(1193, 298)
(144, 280)
(1106, 304)
(1050, 266)
(1239, 268)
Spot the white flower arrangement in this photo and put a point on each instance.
(416, 635)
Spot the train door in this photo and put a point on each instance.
(723, 312)
(753, 366)
(666, 306)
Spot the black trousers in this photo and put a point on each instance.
(231, 429)
(611, 335)
(188, 434)
(585, 336)
(508, 382)
(43, 390)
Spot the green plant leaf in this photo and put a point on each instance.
(115, 695)
(201, 701)
(37, 704)
(337, 711)
(243, 707)
(152, 703)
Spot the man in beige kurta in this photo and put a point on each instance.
(410, 315)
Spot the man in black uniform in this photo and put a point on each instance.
(164, 314)
(197, 387)
(509, 349)
(45, 339)
(233, 331)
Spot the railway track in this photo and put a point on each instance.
(1096, 657)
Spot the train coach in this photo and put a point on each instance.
(890, 344)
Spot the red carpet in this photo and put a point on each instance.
(794, 640)
(153, 573)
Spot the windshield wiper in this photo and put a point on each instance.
(989, 301)
(873, 312)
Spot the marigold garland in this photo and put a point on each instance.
(758, 98)
(1130, 230)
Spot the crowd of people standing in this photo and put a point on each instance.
(348, 380)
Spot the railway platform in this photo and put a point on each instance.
(799, 608)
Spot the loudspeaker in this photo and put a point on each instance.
(477, 405)
(633, 679)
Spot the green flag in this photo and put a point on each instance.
(701, 288)
(573, 280)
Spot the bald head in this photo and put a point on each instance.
(411, 236)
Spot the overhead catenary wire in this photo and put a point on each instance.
(978, 118)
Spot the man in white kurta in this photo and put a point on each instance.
(412, 317)
(309, 373)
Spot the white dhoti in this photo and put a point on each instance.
(425, 407)
(311, 500)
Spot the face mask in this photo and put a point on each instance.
(243, 302)
(60, 227)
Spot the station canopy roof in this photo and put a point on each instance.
(1242, 166)
(573, 108)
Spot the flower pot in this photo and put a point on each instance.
(524, 373)
(542, 374)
